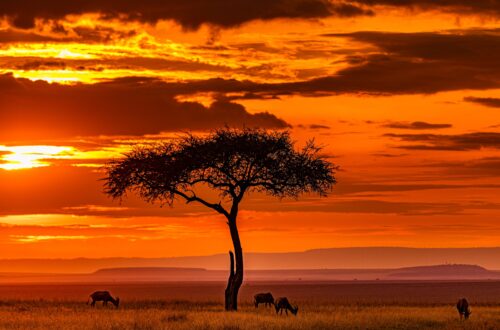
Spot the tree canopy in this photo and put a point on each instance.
(230, 162)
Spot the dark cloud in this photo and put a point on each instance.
(350, 188)
(317, 126)
(127, 63)
(131, 106)
(397, 63)
(459, 142)
(375, 206)
(78, 34)
(404, 63)
(489, 166)
(100, 34)
(10, 36)
(34, 64)
(190, 14)
(387, 155)
(416, 125)
(418, 63)
(459, 46)
(492, 102)
(484, 167)
(488, 7)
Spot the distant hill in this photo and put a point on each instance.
(148, 270)
(155, 274)
(174, 274)
(196, 274)
(448, 272)
(434, 272)
(337, 258)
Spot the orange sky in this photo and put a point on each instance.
(404, 96)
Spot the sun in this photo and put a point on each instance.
(25, 157)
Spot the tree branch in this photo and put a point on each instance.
(194, 198)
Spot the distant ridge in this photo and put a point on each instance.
(125, 270)
(174, 274)
(335, 258)
(433, 272)
(140, 274)
(444, 271)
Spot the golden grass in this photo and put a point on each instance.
(39, 314)
(186, 306)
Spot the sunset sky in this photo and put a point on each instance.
(403, 95)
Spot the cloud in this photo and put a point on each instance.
(454, 45)
(89, 35)
(375, 206)
(37, 233)
(416, 125)
(413, 63)
(317, 126)
(126, 63)
(388, 155)
(190, 14)
(39, 110)
(492, 102)
(10, 36)
(489, 7)
(353, 188)
(487, 167)
(407, 63)
(459, 142)
(392, 63)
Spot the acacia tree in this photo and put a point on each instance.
(230, 162)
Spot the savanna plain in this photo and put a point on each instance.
(333, 305)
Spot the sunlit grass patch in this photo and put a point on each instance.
(164, 314)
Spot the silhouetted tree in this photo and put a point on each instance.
(231, 162)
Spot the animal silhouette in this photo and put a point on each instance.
(283, 304)
(263, 298)
(463, 308)
(103, 296)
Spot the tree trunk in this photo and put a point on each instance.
(235, 273)
(227, 301)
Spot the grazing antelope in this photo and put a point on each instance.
(463, 308)
(283, 304)
(103, 296)
(263, 298)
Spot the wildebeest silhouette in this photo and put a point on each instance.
(263, 298)
(463, 308)
(283, 304)
(103, 296)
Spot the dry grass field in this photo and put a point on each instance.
(411, 305)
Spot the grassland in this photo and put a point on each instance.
(193, 315)
(321, 306)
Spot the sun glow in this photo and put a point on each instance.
(26, 157)
(23, 157)
(40, 238)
